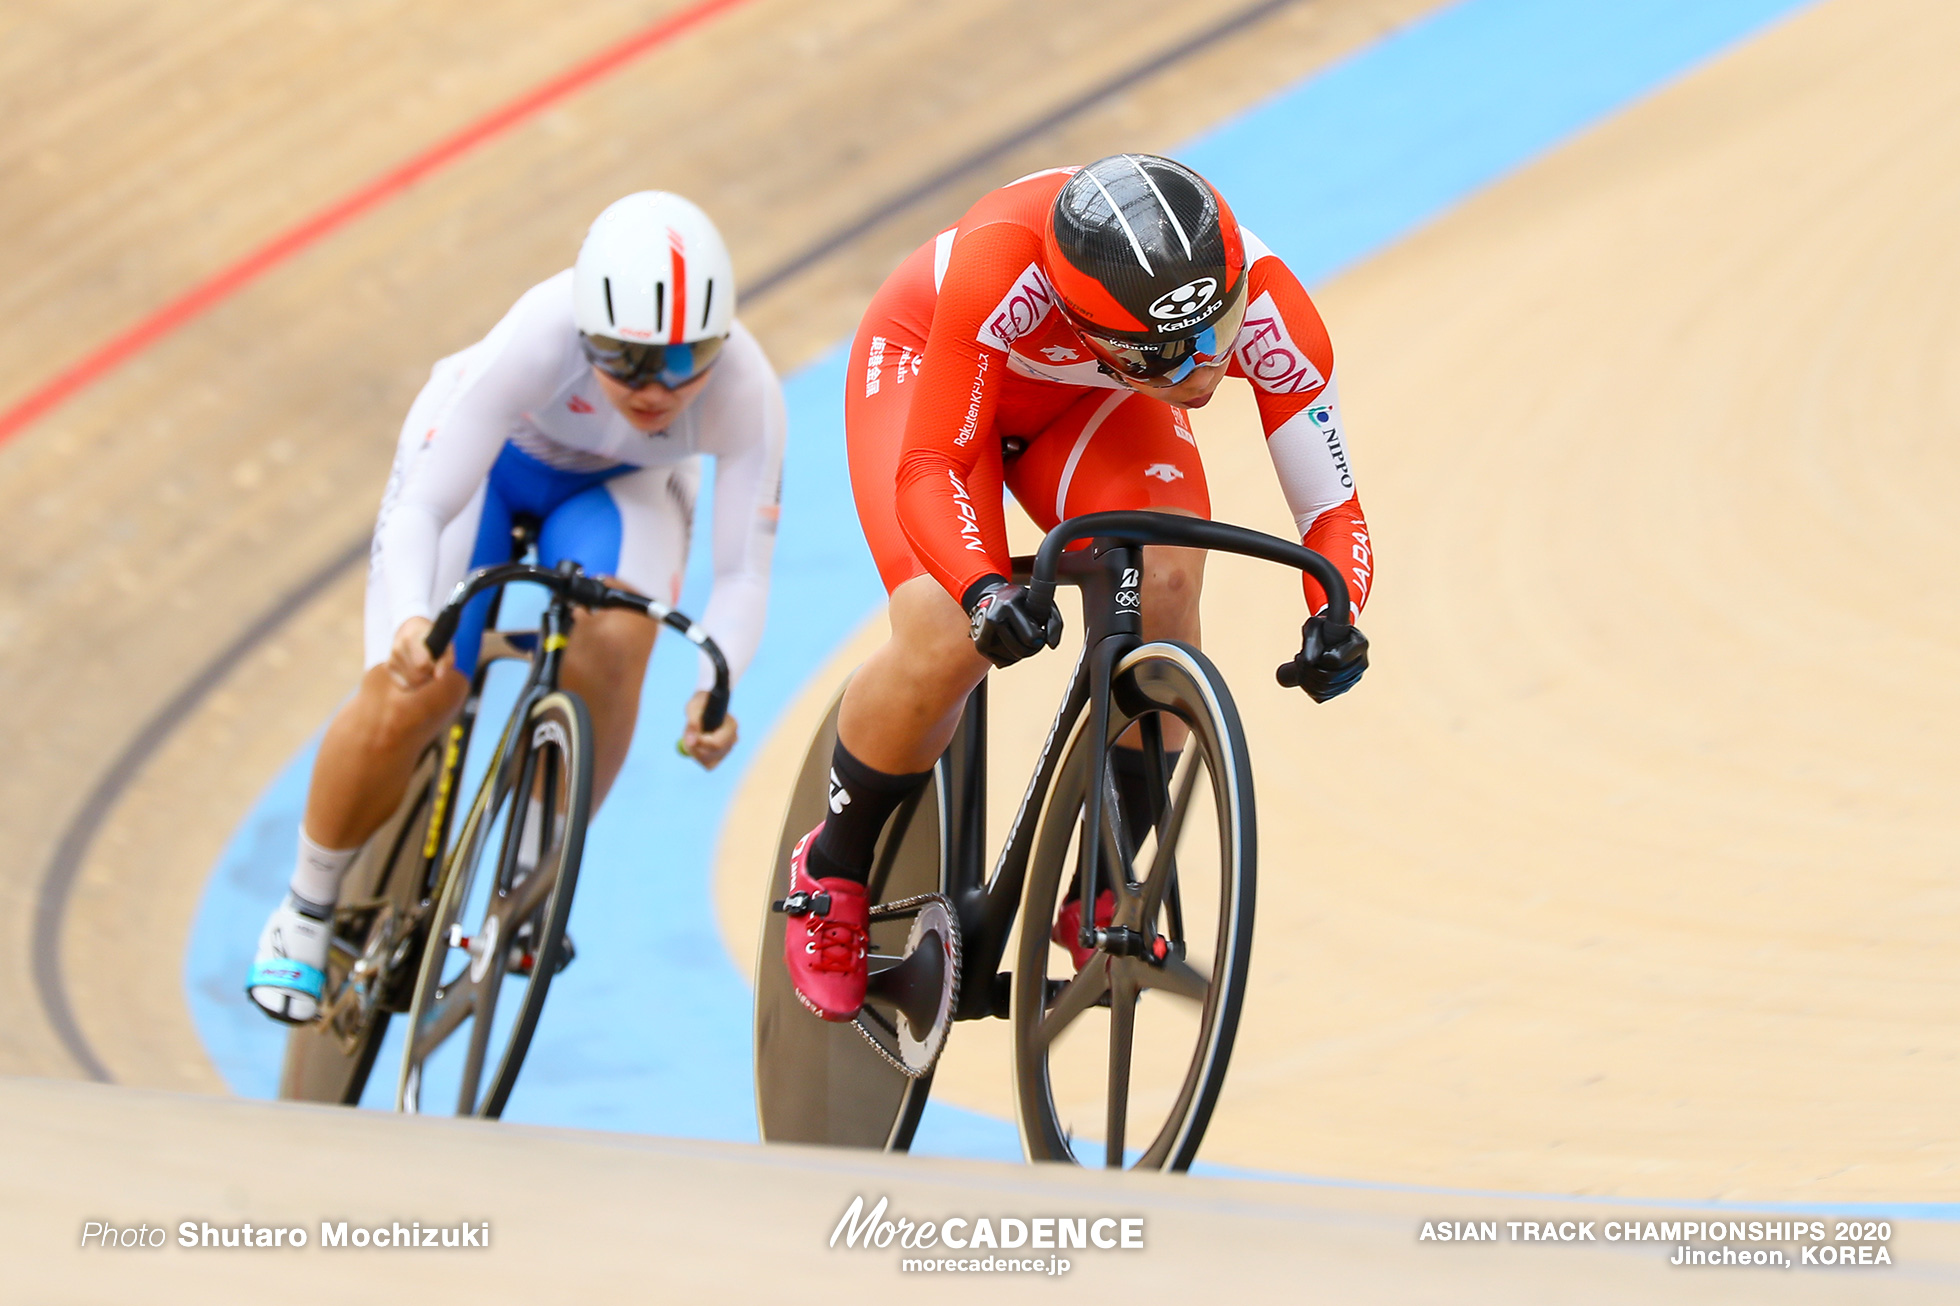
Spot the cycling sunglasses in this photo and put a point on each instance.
(636, 365)
(1163, 363)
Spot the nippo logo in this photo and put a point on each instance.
(1269, 356)
(1189, 298)
(1024, 307)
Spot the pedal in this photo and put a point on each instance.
(908, 1006)
(524, 958)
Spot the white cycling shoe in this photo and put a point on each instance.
(290, 970)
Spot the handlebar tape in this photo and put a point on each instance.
(716, 710)
(442, 632)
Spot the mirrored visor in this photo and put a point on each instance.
(1166, 362)
(636, 365)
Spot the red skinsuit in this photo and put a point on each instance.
(965, 377)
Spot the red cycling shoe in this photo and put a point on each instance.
(824, 942)
(1068, 925)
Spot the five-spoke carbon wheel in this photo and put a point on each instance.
(1122, 1063)
(499, 925)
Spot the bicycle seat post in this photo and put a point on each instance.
(524, 530)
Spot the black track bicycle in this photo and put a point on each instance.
(464, 934)
(1122, 1062)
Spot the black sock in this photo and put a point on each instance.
(861, 801)
(1132, 798)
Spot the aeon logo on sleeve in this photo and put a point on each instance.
(1024, 307)
(1268, 355)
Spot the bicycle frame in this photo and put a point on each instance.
(1109, 574)
(545, 650)
(495, 645)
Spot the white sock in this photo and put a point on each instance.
(316, 874)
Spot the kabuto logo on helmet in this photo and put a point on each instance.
(1185, 301)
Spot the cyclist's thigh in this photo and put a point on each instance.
(633, 528)
(882, 377)
(1108, 450)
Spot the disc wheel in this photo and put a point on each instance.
(1122, 1063)
(499, 925)
(384, 902)
(841, 1083)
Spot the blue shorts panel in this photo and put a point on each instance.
(581, 522)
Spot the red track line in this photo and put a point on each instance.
(228, 281)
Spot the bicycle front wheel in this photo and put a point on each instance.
(499, 926)
(1121, 1063)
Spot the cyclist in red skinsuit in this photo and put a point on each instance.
(1023, 349)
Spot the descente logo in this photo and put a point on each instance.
(867, 1230)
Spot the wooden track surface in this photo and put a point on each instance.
(1631, 866)
(579, 1216)
(165, 511)
(1635, 854)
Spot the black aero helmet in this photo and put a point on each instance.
(1148, 264)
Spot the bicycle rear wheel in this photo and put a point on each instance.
(370, 962)
(497, 934)
(1135, 1046)
(815, 1081)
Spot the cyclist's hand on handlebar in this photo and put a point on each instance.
(707, 747)
(409, 663)
(1003, 629)
(1330, 661)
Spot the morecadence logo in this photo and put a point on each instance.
(878, 1228)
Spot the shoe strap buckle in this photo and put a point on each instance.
(801, 903)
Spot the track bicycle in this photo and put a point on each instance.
(1123, 1061)
(447, 931)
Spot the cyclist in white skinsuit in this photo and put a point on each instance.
(588, 407)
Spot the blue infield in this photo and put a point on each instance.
(650, 1030)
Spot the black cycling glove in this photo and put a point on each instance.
(1330, 661)
(1003, 629)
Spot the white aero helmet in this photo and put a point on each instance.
(653, 291)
